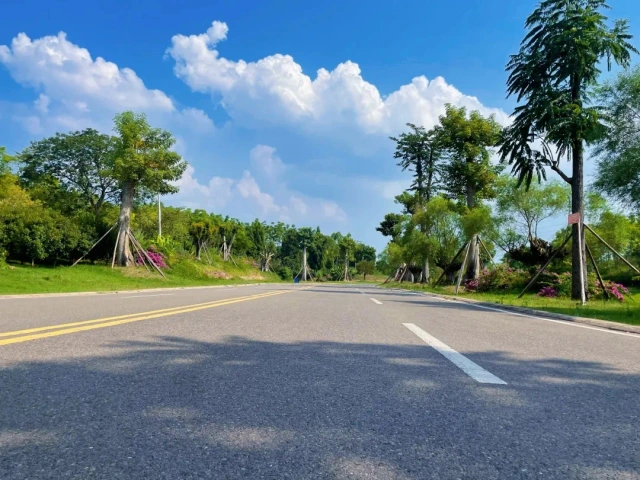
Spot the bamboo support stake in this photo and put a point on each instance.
(115, 249)
(485, 249)
(545, 266)
(137, 250)
(93, 246)
(612, 249)
(464, 262)
(146, 254)
(449, 266)
(595, 267)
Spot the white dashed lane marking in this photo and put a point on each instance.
(472, 369)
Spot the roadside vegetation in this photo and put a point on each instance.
(623, 312)
(475, 227)
(89, 198)
(480, 216)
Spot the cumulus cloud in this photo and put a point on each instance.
(264, 159)
(213, 195)
(78, 85)
(280, 203)
(275, 90)
(248, 188)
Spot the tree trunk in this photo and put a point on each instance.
(365, 277)
(346, 267)
(123, 250)
(473, 267)
(578, 254)
(425, 272)
(304, 264)
(198, 250)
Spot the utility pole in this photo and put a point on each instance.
(159, 218)
(304, 264)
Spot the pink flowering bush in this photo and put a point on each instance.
(559, 285)
(548, 292)
(502, 277)
(616, 290)
(155, 256)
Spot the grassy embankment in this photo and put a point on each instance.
(624, 312)
(20, 279)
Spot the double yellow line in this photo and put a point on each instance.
(29, 334)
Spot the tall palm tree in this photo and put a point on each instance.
(552, 75)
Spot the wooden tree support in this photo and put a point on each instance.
(485, 249)
(137, 250)
(444, 272)
(464, 263)
(595, 267)
(94, 245)
(544, 267)
(115, 249)
(146, 255)
(612, 249)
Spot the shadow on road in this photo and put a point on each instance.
(176, 409)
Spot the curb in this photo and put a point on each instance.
(621, 327)
(114, 292)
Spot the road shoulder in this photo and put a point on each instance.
(622, 327)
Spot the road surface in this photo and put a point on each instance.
(309, 381)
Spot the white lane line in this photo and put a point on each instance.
(155, 295)
(360, 291)
(561, 322)
(375, 301)
(472, 369)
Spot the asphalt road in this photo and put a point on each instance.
(313, 381)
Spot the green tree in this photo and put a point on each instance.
(618, 151)
(418, 152)
(557, 65)
(468, 175)
(202, 231)
(347, 250)
(81, 163)
(365, 267)
(5, 159)
(144, 164)
(390, 226)
(529, 208)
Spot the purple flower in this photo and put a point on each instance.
(156, 257)
(548, 292)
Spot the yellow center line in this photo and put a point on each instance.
(67, 328)
(128, 315)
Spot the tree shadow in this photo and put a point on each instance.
(177, 408)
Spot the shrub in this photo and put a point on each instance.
(548, 292)
(285, 273)
(502, 277)
(156, 257)
(616, 290)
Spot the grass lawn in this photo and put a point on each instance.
(624, 312)
(26, 279)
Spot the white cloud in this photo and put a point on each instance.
(333, 211)
(246, 197)
(42, 103)
(75, 85)
(196, 119)
(214, 195)
(66, 71)
(249, 189)
(264, 159)
(299, 205)
(274, 90)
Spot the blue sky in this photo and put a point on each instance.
(283, 109)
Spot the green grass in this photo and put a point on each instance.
(624, 312)
(20, 279)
